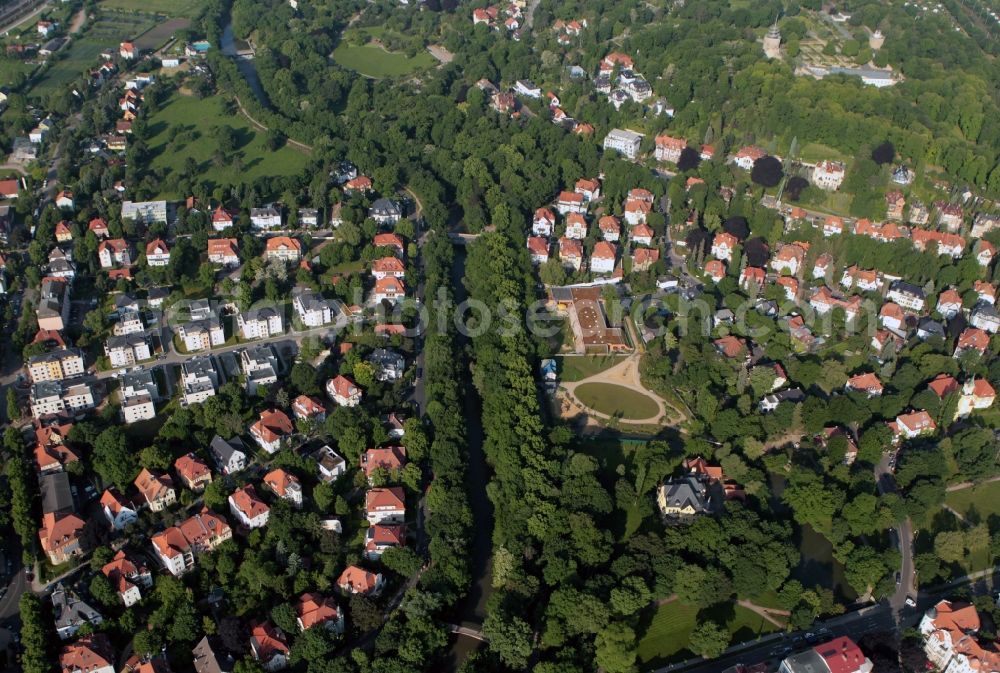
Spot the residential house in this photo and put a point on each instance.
(977, 394)
(361, 184)
(731, 346)
(284, 485)
(64, 200)
(950, 633)
(824, 301)
(390, 289)
(669, 148)
(828, 175)
(249, 509)
(222, 219)
(119, 511)
(907, 295)
(268, 646)
(972, 339)
(643, 259)
(589, 189)
(391, 241)
(822, 266)
(266, 217)
(380, 537)
(715, 270)
(949, 304)
(915, 424)
(126, 350)
(65, 363)
(193, 472)
(892, 318)
(386, 212)
(840, 655)
(329, 464)
(199, 379)
(114, 252)
(200, 335)
(543, 222)
(576, 226)
(388, 266)
(986, 291)
(984, 252)
(307, 217)
(538, 249)
(789, 259)
(260, 323)
(385, 505)
(747, 156)
(752, 279)
(571, 253)
(313, 609)
(602, 258)
(569, 202)
(343, 391)
(128, 51)
(389, 458)
(89, 654)
(60, 536)
(983, 223)
(861, 279)
(623, 142)
(71, 612)
(56, 398)
(723, 246)
(984, 316)
(944, 243)
(894, 204)
(283, 248)
(949, 215)
(156, 489)
(207, 660)
(610, 228)
(356, 580)
(157, 253)
(867, 383)
(684, 498)
(772, 401)
(230, 456)
(389, 365)
(126, 578)
(308, 408)
(272, 431)
(642, 234)
(145, 212)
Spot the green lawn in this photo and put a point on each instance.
(9, 69)
(615, 400)
(577, 368)
(374, 60)
(182, 129)
(983, 499)
(185, 8)
(666, 636)
(815, 152)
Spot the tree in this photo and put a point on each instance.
(709, 640)
(101, 589)
(615, 648)
(112, 459)
(365, 614)
(510, 638)
(13, 408)
(795, 186)
(631, 596)
(688, 160)
(884, 153)
(284, 617)
(767, 171)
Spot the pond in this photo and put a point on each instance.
(819, 567)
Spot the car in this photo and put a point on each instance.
(910, 602)
(813, 638)
(899, 578)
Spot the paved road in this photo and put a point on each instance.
(903, 537)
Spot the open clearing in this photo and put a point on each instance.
(670, 628)
(982, 501)
(372, 59)
(182, 128)
(577, 368)
(183, 8)
(613, 400)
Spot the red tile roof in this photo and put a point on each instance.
(383, 498)
(246, 501)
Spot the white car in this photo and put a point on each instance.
(910, 602)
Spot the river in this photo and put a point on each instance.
(245, 65)
(472, 611)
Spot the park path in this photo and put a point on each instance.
(77, 23)
(625, 374)
(295, 143)
(970, 484)
(770, 615)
